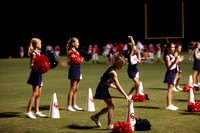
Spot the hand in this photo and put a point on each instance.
(130, 37)
(176, 54)
(181, 58)
(128, 99)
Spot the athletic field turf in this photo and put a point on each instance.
(15, 94)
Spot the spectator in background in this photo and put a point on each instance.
(114, 51)
(191, 50)
(120, 47)
(49, 48)
(108, 48)
(139, 46)
(104, 51)
(158, 52)
(151, 50)
(21, 52)
(95, 51)
(57, 50)
(90, 48)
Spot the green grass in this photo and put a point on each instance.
(15, 93)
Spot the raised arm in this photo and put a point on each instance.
(132, 44)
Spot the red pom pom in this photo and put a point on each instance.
(75, 58)
(186, 88)
(122, 127)
(41, 64)
(138, 98)
(194, 107)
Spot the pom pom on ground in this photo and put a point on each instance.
(142, 125)
(122, 127)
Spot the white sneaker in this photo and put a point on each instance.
(171, 107)
(175, 107)
(179, 88)
(77, 108)
(96, 120)
(110, 127)
(174, 88)
(30, 115)
(195, 85)
(69, 108)
(198, 84)
(39, 114)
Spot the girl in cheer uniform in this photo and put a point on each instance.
(35, 79)
(102, 91)
(74, 73)
(178, 70)
(196, 65)
(170, 59)
(133, 58)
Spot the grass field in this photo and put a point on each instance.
(15, 93)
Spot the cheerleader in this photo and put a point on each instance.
(74, 74)
(170, 59)
(178, 70)
(35, 79)
(133, 58)
(196, 65)
(102, 91)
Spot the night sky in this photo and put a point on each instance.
(110, 25)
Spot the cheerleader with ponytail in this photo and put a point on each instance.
(35, 79)
(74, 74)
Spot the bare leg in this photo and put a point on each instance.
(75, 93)
(32, 98)
(110, 109)
(71, 92)
(169, 94)
(198, 76)
(37, 100)
(195, 76)
(178, 79)
(135, 87)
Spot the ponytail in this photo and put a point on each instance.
(32, 45)
(166, 47)
(30, 49)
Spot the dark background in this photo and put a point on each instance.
(99, 25)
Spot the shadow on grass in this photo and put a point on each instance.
(158, 88)
(147, 107)
(41, 107)
(117, 97)
(190, 113)
(10, 114)
(44, 107)
(181, 100)
(85, 127)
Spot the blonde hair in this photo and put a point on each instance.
(119, 59)
(32, 45)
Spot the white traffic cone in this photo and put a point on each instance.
(54, 111)
(140, 89)
(89, 101)
(130, 116)
(190, 82)
(191, 96)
